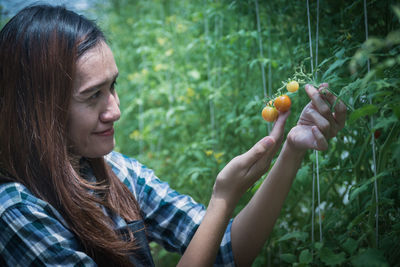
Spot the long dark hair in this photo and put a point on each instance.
(39, 48)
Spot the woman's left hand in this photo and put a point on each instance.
(317, 123)
(244, 170)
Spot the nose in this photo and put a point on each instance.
(111, 112)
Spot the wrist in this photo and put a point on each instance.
(293, 151)
(221, 206)
(293, 147)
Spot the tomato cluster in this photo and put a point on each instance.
(281, 103)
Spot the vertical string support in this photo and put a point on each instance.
(309, 38)
(316, 152)
(269, 57)
(316, 42)
(372, 140)
(313, 204)
(261, 55)
(319, 196)
(260, 48)
(209, 76)
(141, 124)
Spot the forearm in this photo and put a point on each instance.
(203, 248)
(252, 226)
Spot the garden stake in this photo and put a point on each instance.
(372, 139)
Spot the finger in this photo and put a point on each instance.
(340, 113)
(323, 85)
(261, 165)
(330, 99)
(321, 122)
(319, 102)
(262, 148)
(260, 160)
(340, 108)
(279, 126)
(320, 140)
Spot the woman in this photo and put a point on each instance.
(67, 199)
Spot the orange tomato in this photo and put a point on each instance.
(282, 103)
(269, 113)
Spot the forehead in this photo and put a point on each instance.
(95, 66)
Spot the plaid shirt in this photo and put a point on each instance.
(33, 233)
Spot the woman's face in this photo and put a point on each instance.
(95, 105)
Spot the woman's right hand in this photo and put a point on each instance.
(244, 170)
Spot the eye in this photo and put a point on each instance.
(95, 95)
(112, 88)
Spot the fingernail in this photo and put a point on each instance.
(306, 86)
(324, 85)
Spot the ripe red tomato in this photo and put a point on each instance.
(269, 113)
(282, 103)
(377, 134)
(292, 86)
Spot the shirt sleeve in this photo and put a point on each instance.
(172, 218)
(30, 236)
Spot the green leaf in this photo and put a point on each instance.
(396, 110)
(370, 258)
(354, 193)
(305, 256)
(366, 110)
(360, 217)
(330, 258)
(194, 176)
(396, 10)
(386, 122)
(396, 153)
(297, 235)
(340, 53)
(318, 245)
(287, 257)
(350, 245)
(324, 62)
(338, 63)
(361, 187)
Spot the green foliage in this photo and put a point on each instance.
(191, 95)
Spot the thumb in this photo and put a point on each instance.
(279, 126)
(260, 149)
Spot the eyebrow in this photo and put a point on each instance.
(96, 87)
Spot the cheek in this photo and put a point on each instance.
(79, 128)
(82, 123)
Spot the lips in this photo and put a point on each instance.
(108, 132)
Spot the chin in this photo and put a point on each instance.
(103, 152)
(99, 151)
